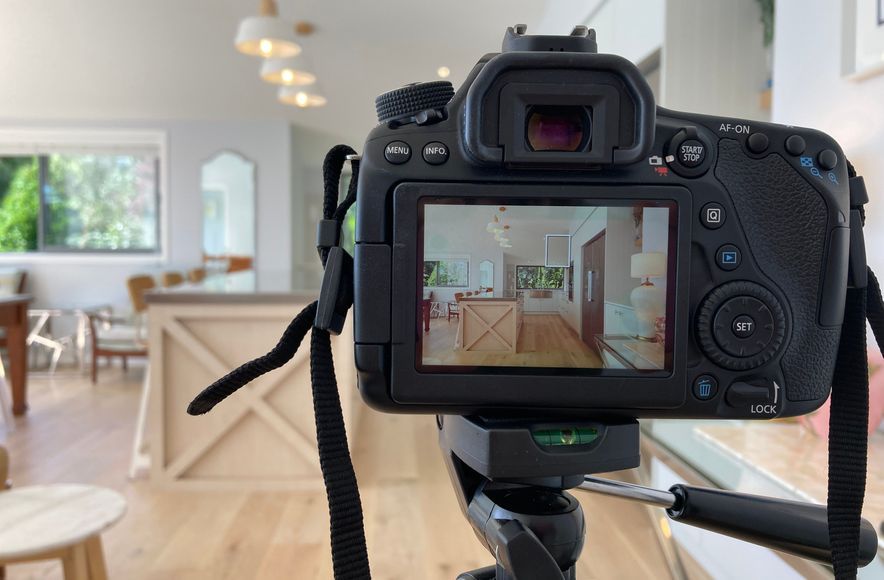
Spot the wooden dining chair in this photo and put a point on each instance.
(121, 337)
(171, 279)
(196, 275)
(238, 263)
(454, 307)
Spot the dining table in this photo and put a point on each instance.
(14, 320)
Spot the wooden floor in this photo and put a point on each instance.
(545, 340)
(79, 433)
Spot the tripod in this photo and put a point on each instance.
(511, 475)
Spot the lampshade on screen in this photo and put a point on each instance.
(286, 71)
(648, 265)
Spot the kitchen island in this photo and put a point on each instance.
(489, 324)
(263, 436)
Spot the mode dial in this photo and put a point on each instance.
(409, 104)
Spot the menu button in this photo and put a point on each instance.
(397, 152)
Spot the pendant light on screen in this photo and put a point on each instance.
(267, 35)
(303, 97)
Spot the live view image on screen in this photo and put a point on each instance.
(545, 286)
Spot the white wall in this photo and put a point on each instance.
(270, 144)
(809, 91)
(633, 29)
(451, 233)
(308, 149)
(713, 57)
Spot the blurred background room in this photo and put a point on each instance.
(160, 182)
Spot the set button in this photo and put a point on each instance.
(743, 326)
(397, 152)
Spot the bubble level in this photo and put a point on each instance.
(566, 436)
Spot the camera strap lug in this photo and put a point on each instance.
(857, 276)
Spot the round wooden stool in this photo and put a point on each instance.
(42, 522)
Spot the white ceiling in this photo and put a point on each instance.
(461, 229)
(161, 59)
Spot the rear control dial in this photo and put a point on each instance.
(740, 325)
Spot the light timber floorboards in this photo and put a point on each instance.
(75, 432)
(545, 340)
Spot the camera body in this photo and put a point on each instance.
(717, 290)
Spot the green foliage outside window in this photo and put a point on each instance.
(539, 278)
(446, 273)
(19, 203)
(89, 203)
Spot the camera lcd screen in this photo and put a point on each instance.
(581, 286)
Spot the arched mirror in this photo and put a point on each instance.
(228, 186)
(486, 274)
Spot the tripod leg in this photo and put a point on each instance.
(486, 573)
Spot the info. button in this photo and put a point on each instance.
(435, 153)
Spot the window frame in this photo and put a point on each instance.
(39, 142)
(541, 266)
(449, 259)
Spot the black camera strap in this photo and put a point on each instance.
(848, 441)
(849, 410)
(349, 554)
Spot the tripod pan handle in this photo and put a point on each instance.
(788, 526)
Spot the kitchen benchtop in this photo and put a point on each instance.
(487, 299)
(247, 287)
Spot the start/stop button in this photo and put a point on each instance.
(688, 154)
(691, 153)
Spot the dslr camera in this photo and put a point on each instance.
(548, 241)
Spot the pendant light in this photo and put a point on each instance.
(303, 97)
(267, 35)
(287, 71)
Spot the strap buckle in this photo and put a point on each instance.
(336, 293)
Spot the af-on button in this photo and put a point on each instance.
(397, 152)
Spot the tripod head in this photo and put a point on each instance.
(511, 476)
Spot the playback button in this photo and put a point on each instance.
(728, 257)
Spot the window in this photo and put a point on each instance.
(79, 198)
(446, 273)
(539, 277)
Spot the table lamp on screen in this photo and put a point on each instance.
(648, 300)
